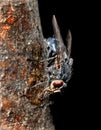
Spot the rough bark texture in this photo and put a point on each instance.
(22, 68)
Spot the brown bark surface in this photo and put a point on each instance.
(23, 76)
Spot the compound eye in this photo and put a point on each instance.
(58, 83)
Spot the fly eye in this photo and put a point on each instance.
(58, 84)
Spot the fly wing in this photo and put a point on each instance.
(61, 49)
(69, 43)
(57, 34)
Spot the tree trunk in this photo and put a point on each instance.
(23, 76)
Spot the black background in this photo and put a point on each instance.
(71, 108)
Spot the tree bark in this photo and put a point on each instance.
(23, 75)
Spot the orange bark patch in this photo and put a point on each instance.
(6, 27)
(3, 34)
(11, 20)
(4, 64)
(6, 103)
(31, 80)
